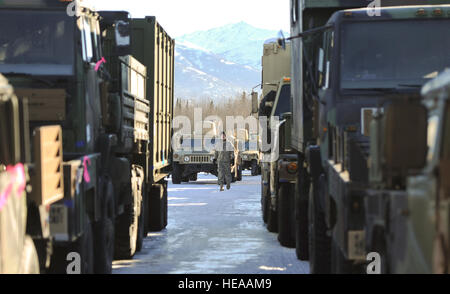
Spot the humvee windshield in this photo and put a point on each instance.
(193, 144)
(36, 42)
(393, 54)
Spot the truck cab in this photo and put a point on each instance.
(343, 82)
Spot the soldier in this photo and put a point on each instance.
(224, 153)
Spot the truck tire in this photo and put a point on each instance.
(286, 217)
(193, 177)
(272, 221)
(264, 202)
(272, 217)
(254, 168)
(127, 230)
(176, 174)
(29, 260)
(104, 234)
(319, 242)
(104, 248)
(146, 209)
(158, 207)
(141, 226)
(85, 245)
(301, 216)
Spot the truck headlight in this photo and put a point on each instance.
(187, 159)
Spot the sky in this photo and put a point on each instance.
(180, 17)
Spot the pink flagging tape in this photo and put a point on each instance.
(17, 174)
(99, 63)
(86, 176)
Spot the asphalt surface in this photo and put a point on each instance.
(212, 232)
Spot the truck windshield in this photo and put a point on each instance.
(36, 42)
(284, 101)
(393, 54)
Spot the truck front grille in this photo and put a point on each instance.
(199, 159)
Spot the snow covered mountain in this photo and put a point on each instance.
(220, 62)
(240, 43)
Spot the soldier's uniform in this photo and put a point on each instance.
(224, 152)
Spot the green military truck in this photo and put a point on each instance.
(250, 154)
(107, 115)
(195, 153)
(337, 85)
(18, 254)
(192, 157)
(278, 163)
(407, 207)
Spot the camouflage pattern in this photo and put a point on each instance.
(224, 155)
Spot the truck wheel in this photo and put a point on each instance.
(176, 174)
(272, 221)
(319, 242)
(193, 177)
(141, 225)
(158, 207)
(104, 253)
(286, 218)
(30, 260)
(254, 168)
(301, 216)
(104, 234)
(272, 218)
(264, 201)
(127, 230)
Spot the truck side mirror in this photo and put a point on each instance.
(281, 40)
(254, 102)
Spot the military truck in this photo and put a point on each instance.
(250, 154)
(189, 160)
(278, 166)
(407, 208)
(337, 86)
(57, 62)
(196, 153)
(151, 45)
(18, 253)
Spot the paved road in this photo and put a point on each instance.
(212, 232)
